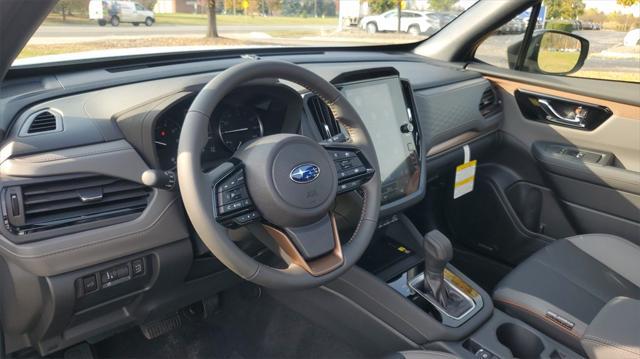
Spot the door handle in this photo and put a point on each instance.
(577, 120)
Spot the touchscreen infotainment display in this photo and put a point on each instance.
(381, 105)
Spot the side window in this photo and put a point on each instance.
(139, 7)
(594, 44)
(494, 49)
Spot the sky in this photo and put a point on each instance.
(607, 6)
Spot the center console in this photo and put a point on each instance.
(385, 304)
(404, 293)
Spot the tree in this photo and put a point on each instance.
(212, 30)
(564, 9)
(274, 6)
(442, 5)
(67, 7)
(380, 6)
(149, 4)
(594, 15)
(628, 2)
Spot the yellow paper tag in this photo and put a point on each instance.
(465, 177)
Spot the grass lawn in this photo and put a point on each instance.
(609, 75)
(197, 19)
(56, 19)
(553, 61)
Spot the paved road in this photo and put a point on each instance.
(92, 31)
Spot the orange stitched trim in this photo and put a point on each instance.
(539, 316)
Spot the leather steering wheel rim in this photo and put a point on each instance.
(196, 186)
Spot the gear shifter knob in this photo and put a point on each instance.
(438, 251)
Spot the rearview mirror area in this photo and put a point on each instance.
(551, 52)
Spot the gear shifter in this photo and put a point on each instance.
(437, 253)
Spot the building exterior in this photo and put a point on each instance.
(177, 6)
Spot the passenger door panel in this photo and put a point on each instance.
(593, 169)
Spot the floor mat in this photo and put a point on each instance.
(246, 326)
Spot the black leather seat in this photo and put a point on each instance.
(561, 288)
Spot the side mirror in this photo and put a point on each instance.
(551, 52)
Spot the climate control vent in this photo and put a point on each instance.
(323, 117)
(42, 122)
(489, 103)
(48, 205)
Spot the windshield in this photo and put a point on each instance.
(81, 29)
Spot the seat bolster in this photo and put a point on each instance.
(615, 331)
(618, 254)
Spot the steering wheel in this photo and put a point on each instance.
(285, 185)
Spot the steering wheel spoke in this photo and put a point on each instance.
(315, 248)
(232, 204)
(353, 168)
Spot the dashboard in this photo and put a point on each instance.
(112, 125)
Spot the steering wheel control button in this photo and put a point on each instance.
(352, 169)
(232, 203)
(246, 218)
(232, 195)
(234, 180)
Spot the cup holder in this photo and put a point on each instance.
(521, 342)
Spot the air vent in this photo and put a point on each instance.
(45, 121)
(489, 103)
(323, 117)
(48, 205)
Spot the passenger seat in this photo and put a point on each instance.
(560, 289)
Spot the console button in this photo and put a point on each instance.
(109, 275)
(89, 283)
(122, 271)
(137, 267)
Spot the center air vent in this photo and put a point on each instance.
(63, 203)
(323, 117)
(42, 122)
(489, 103)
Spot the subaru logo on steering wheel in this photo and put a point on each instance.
(304, 173)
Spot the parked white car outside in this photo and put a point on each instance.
(412, 22)
(117, 11)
